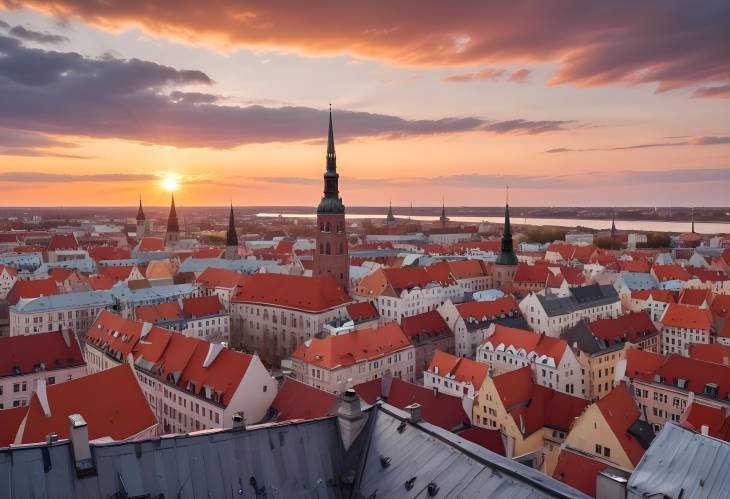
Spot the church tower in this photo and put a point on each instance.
(231, 238)
(506, 264)
(173, 228)
(443, 218)
(141, 222)
(331, 255)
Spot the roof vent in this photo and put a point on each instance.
(239, 422)
(433, 489)
(414, 413)
(410, 482)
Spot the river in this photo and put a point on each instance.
(635, 225)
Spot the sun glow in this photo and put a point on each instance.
(169, 184)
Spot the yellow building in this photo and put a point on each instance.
(533, 419)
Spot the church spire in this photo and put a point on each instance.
(613, 225)
(140, 212)
(390, 218)
(443, 218)
(172, 224)
(331, 201)
(231, 236)
(507, 255)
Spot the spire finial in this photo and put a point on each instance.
(507, 195)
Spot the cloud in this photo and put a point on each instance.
(37, 36)
(4, 25)
(64, 93)
(672, 44)
(695, 141)
(22, 143)
(43, 177)
(520, 76)
(722, 91)
(484, 74)
(485, 181)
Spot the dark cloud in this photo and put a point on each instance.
(695, 141)
(4, 25)
(63, 93)
(673, 44)
(22, 143)
(41, 177)
(37, 36)
(722, 91)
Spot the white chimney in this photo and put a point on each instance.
(79, 435)
(213, 350)
(146, 328)
(42, 394)
(705, 430)
(414, 412)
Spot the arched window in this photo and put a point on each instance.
(328, 249)
(321, 227)
(327, 227)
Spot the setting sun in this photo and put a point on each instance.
(169, 184)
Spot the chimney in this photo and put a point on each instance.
(435, 392)
(42, 394)
(213, 350)
(350, 417)
(52, 438)
(239, 422)
(414, 412)
(79, 435)
(705, 430)
(66, 337)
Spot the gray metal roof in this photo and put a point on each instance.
(246, 266)
(66, 300)
(637, 280)
(683, 463)
(290, 460)
(581, 297)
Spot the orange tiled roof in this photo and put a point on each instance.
(219, 278)
(162, 312)
(631, 327)
(296, 400)
(695, 297)
(578, 470)
(311, 294)
(347, 349)
(120, 273)
(10, 420)
(31, 289)
(488, 309)
(362, 310)
(531, 342)
(23, 354)
(427, 323)
(532, 274)
(63, 242)
(460, 369)
(111, 402)
(662, 295)
(101, 253)
(687, 317)
(99, 283)
(670, 272)
(117, 334)
(202, 306)
(151, 244)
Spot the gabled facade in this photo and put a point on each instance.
(455, 376)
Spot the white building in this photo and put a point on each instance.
(190, 384)
(551, 314)
(551, 359)
(336, 363)
(454, 375)
(8, 276)
(25, 360)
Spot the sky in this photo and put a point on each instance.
(570, 103)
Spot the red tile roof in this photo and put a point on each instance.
(405, 278)
(162, 312)
(533, 406)
(695, 297)
(721, 306)
(120, 273)
(31, 289)
(99, 283)
(439, 409)
(12, 272)
(101, 253)
(60, 274)
(687, 317)
(697, 374)
(620, 412)
(532, 274)
(202, 306)
(468, 269)
(489, 309)
(569, 251)
(520, 339)
(632, 327)
(117, 334)
(670, 272)
(347, 349)
(715, 418)
(311, 294)
(63, 242)
(425, 324)
(640, 362)
(362, 311)
(151, 244)
(111, 402)
(296, 400)
(642, 266)
(485, 437)
(712, 352)
(578, 470)
(459, 369)
(706, 275)
(662, 295)
(10, 420)
(219, 278)
(208, 253)
(23, 354)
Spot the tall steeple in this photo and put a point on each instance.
(613, 225)
(331, 201)
(390, 218)
(140, 212)
(507, 255)
(231, 237)
(173, 227)
(443, 218)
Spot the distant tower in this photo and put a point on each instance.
(231, 238)
(506, 264)
(331, 255)
(173, 228)
(443, 218)
(613, 225)
(390, 219)
(141, 222)
(693, 220)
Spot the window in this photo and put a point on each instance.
(598, 449)
(51, 380)
(607, 452)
